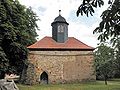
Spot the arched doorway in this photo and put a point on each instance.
(44, 78)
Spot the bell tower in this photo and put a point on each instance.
(60, 29)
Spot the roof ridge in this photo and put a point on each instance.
(83, 42)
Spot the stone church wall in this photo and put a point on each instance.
(62, 66)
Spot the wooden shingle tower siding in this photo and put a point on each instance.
(59, 59)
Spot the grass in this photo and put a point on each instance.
(98, 85)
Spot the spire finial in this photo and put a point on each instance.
(59, 12)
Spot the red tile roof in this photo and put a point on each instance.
(49, 43)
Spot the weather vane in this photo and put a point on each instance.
(59, 12)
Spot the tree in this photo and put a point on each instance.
(104, 62)
(18, 26)
(3, 64)
(109, 27)
(87, 7)
(18, 21)
(117, 59)
(110, 24)
(16, 53)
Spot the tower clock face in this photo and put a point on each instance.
(60, 28)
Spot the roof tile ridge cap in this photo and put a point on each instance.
(46, 37)
(83, 43)
(34, 43)
(41, 39)
(38, 41)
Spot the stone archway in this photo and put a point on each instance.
(44, 78)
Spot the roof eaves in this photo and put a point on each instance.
(62, 49)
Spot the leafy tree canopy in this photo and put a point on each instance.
(17, 30)
(18, 21)
(109, 27)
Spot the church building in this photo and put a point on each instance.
(59, 59)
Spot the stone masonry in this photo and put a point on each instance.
(61, 66)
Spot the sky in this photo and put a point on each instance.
(79, 27)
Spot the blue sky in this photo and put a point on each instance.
(79, 27)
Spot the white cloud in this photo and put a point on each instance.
(47, 10)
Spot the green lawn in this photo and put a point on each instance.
(98, 85)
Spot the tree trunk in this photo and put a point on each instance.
(105, 79)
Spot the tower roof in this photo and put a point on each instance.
(60, 19)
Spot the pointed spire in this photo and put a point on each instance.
(59, 12)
